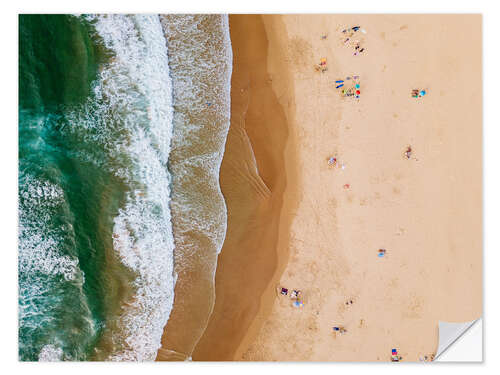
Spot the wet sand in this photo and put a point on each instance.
(253, 185)
(292, 222)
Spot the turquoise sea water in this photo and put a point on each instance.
(99, 106)
(59, 240)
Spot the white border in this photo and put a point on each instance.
(8, 149)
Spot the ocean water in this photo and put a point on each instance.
(101, 112)
(200, 59)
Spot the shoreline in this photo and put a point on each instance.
(283, 87)
(255, 172)
(200, 123)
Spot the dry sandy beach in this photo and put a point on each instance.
(292, 222)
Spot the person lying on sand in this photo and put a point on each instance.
(332, 161)
(339, 329)
(295, 294)
(408, 152)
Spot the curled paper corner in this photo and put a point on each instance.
(460, 342)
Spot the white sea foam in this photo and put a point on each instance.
(200, 61)
(50, 353)
(201, 65)
(39, 245)
(131, 116)
(44, 267)
(136, 125)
